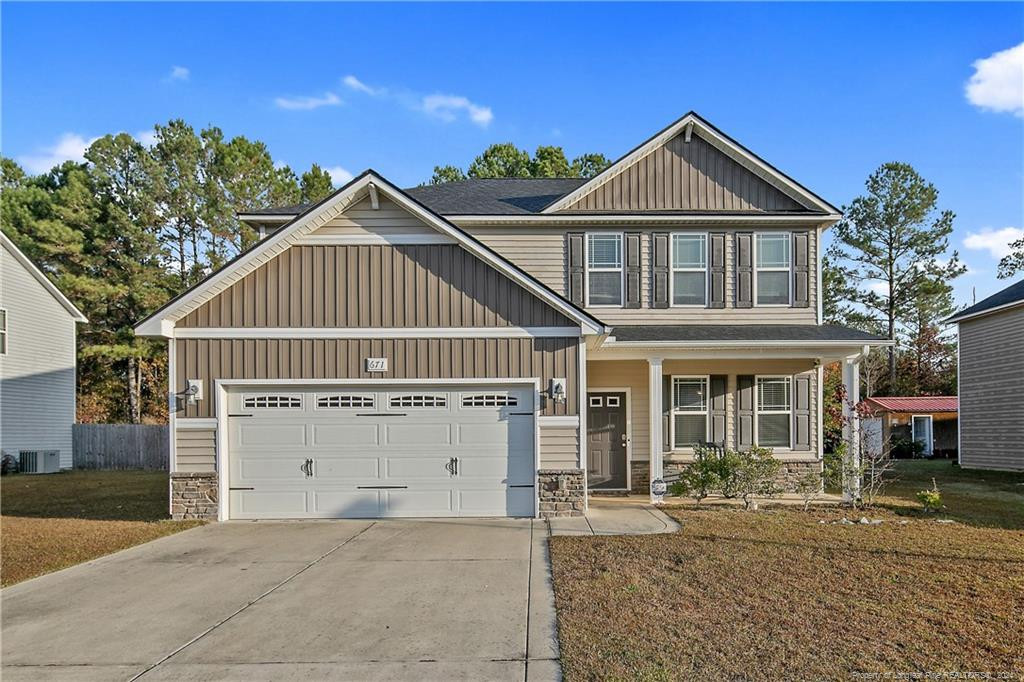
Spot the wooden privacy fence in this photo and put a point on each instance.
(120, 446)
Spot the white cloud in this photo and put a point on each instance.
(880, 288)
(329, 99)
(339, 176)
(359, 86)
(147, 138)
(998, 82)
(178, 73)
(996, 242)
(69, 147)
(447, 108)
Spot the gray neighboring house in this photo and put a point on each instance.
(37, 365)
(505, 347)
(990, 378)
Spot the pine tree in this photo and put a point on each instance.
(314, 185)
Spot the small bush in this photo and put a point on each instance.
(931, 500)
(699, 479)
(755, 475)
(808, 487)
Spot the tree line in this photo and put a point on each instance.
(136, 224)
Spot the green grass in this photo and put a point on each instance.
(52, 521)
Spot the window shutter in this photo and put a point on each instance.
(632, 263)
(716, 408)
(744, 269)
(744, 412)
(801, 269)
(717, 265)
(659, 269)
(802, 412)
(577, 254)
(666, 412)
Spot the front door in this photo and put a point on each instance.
(922, 432)
(606, 441)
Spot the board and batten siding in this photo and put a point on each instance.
(37, 375)
(682, 175)
(400, 285)
(542, 252)
(992, 391)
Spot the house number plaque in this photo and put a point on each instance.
(376, 364)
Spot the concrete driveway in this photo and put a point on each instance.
(366, 600)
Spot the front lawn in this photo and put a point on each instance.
(54, 521)
(778, 594)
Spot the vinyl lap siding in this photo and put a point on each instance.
(559, 447)
(363, 220)
(195, 450)
(991, 394)
(37, 376)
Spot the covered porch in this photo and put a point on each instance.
(653, 393)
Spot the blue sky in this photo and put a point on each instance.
(825, 92)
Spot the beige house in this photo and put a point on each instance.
(505, 347)
(990, 372)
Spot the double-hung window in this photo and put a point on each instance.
(3, 332)
(774, 412)
(689, 411)
(604, 269)
(772, 260)
(689, 269)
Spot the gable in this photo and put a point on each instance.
(387, 222)
(33, 280)
(685, 176)
(375, 285)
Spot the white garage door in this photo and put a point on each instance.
(357, 452)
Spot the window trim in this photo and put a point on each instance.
(672, 270)
(931, 432)
(787, 269)
(5, 346)
(758, 411)
(706, 378)
(621, 270)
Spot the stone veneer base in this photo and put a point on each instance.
(562, 492)
(194, 496)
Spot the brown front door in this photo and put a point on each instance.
(606, 440)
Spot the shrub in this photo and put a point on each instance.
(728, 467)
(700, 478)
(931, 500)
(755, 475)
(808, 487)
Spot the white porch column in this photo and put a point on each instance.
(851, 428)
(654, 385)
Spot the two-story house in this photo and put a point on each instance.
(504, 347)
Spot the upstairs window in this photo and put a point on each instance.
(772, 261)
(774, 396)
(604, 269)
(689, 269)
(689, 411)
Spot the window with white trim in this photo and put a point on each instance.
(272, 401)
(689, 411)
(771, 268)
(604, 270)
(689, 269)
(3, 332)
(774, 412)
(419, 401)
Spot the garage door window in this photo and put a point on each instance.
(489, 400)
(272, 401)
(419, 400)
(344, 401)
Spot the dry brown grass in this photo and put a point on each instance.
(778, 595)
(54, 521)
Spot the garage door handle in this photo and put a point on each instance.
(450, 466)
(307, 468)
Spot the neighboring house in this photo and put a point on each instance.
(928, 420)
(990, 376)
(505, 346)
(37, 365)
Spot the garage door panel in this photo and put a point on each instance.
(495, 468)
(422, 435)
(347, 469)
(416, 467)
(269, 504)
(490, 502)
(419, 503)
(252, 432)
(346, 434)
(347, 504)
(271, 468)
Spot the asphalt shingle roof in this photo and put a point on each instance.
(741, 332)
(494, 196)
(1011, 294)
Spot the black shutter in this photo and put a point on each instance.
(802, 412)
(632, 263)
(666, 413)
(744, 269)
(801, 269)
(717, 410)
(577, 254)
(717, 264)
(744, 412)
(659, 269)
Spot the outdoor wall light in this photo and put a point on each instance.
(193, 390)
(557, 390)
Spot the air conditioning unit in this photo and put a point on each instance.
(39, 461)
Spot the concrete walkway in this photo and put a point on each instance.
(615, 516)
(370, 600)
